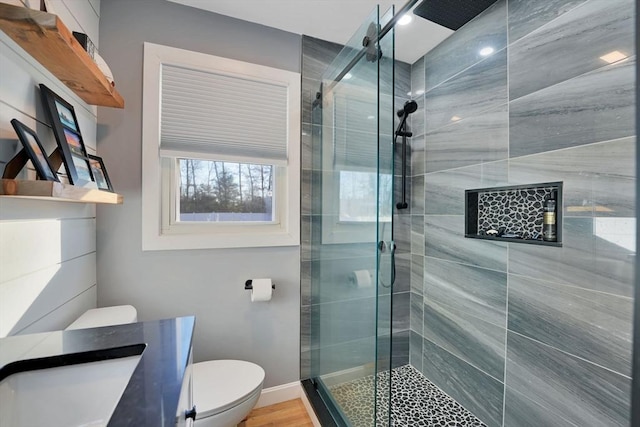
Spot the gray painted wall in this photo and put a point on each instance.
(534, 335)
(207, 283)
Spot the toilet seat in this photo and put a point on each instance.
(106, 316)
(219, 385)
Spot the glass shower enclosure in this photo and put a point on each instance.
(352, 236)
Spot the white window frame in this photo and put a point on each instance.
(159, 231)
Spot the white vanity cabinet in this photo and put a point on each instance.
(186, 414)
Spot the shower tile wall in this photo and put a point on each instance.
(349, 311)
(527, 335)
(316, 55)
(417, 217)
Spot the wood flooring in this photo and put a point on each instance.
(291, 413)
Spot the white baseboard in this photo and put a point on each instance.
(279, 393)
(284, 392)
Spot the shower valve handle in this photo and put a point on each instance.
(382, 246)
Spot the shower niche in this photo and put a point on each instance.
(530, 214)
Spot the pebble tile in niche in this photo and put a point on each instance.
(518, 211)
(416, 402)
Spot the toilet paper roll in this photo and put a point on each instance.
(262, 289)
(361, 278)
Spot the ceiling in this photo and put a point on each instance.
(332, 20)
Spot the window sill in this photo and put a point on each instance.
(173, 241)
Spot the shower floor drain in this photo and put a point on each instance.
(416, 402)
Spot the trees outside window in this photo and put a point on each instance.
(224, 191)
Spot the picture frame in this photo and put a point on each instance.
(34, 150)
(66, 130)
(100, 174)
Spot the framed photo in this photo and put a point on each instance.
(67, 132)
(34, 150)
(100, 173)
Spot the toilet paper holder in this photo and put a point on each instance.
(248, 285)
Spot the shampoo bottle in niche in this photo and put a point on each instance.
(549, 219)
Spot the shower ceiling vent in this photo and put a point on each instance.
(452, 14)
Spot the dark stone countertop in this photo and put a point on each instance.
(151, 397)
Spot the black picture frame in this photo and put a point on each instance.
(66, 130)
(100, 174)
(32, 146)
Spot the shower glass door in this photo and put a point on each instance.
(352, 235)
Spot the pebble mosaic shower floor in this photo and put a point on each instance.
(416, 402)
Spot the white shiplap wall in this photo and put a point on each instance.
(47, 249)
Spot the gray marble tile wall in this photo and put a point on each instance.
(417, 127)
(570, 45)
(338, 318)
(461, 50)
(316, 56)
(526, 335)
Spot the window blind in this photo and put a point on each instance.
(222, 117)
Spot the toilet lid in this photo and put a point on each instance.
(222, 384)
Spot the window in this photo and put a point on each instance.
(220, 159)
(225, 192)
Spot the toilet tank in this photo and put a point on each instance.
(105, 316)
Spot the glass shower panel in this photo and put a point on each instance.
(351, 269)
(386, 245)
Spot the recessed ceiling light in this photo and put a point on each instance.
(371, 117)
(347, 76)
(408, 93)
(614, 56)
(486, 51)
(406, 18)
(455, 118)
(420, 92)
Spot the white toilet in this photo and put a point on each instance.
(224, 391)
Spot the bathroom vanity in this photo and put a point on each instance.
(82, 370)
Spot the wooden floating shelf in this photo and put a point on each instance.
(45, 37)
(53, 190)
